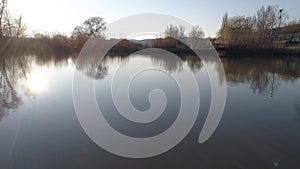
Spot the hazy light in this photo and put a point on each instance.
(143, 36)
(36, 82)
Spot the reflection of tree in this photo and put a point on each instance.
(194, 63)
(263, 75)
(95, 67)
(14, 70)
(168, 63)
(9, 98)
(97, 71)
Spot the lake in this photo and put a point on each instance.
(260, 127)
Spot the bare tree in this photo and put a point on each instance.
(3, 4)
(7, 24)
(196, 32)
(94, 26)
(78, 31)
(10, 26)
(181, 31)
(79, 36)
(172, 31)
(13, 27)
(20, 27)
(270, 18)
(259, 30)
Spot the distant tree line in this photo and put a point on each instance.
(175, 35)
(179, 31)
(260, 30)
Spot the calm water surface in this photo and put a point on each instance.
(260, 128)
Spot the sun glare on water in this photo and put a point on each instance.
(36, 82)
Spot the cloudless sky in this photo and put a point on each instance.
(64, 15)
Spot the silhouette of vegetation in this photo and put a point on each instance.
(262, 30)
(91, 27)
(197, 32)
(10, 26)
(266, 32)
(175, 31)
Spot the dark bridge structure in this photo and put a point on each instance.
(221, 48)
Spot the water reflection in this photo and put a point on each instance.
(11, 69)
(95, 68)
(265, 128)
(297, 108)
(253, 125)
(21, 75)
(263, 75)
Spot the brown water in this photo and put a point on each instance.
(39, 128)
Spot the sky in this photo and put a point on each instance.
(63, 15)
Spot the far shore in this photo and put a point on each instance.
(65, 47)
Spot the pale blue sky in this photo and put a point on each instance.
(64, 15)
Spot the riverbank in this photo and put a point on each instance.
(54, 46)
(266, 52)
